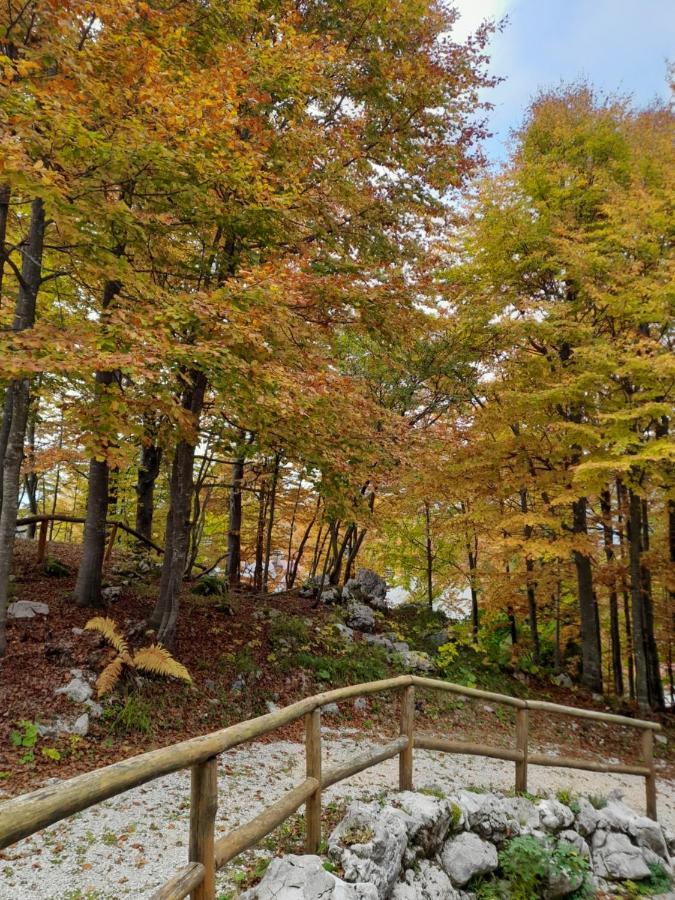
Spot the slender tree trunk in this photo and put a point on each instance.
(653, 666)
(591, 656)
(260, 539)
(270, 521)
(4, 217)
(637, 599)
(336, 569)
(148, 472)
(165, 615)
(233, 565)
(90, 574)
(614, 630)
(31, 478)
(429, 556)
(557, 657)
(473, 564)
(18, 392)
(7, 394)
(513, 628)
(530, 585)
(621, 502)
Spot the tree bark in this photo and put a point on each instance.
(591, 674)
(233, 565)
(148, 472)
(18, 400)
(165, 614)
(90, 574)
(634, 529)
(429, 556)
(530, 586)
(270, 521)
(614, 631)
(653, 666)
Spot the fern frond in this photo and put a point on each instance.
(108, 629)
(157, 660)
(109, 677)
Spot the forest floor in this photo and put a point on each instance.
(266, 650)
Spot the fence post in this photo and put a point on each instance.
(42, 541)
(203, 808)
(521, 744)
(313, 763)
(405, 758)
(650, 780)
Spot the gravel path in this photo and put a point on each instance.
(131, 844)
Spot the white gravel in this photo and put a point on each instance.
(131, 844)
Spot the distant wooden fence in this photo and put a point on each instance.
(26, 815)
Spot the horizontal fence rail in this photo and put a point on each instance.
(25, 815)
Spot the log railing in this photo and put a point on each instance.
(25, 815)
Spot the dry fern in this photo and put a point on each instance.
(109, 677)
(108, 629)
(157, 660)
(154, 659)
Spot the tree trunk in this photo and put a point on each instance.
(651, 649)
(89, 576)
(260, 539)
(615, 634)
(429, 555)
(148, 472)
(591, 674)
(473, 563)
(31, 478)
(557, 657)
(17, 399)
(233, 565)
(270, 521)
(634, 529)
(530, 585)
(621, 501)
(165, 614)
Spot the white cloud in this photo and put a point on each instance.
(473, 12)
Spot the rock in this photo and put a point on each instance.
(465, 856)
(562, 679)
(313, 585)
(331, 596)
(648, 834)
(331, 709)
(588, 817)
(369, 844)
(347, 634)
(360, 617)
(76, 690)
(498, 818)
(523, 812)
(576, 841)
(304, 878)
(437, 639)
(373, 588)
(271, 706)
(352, 590)
(95, 709)
(81, 725)
(661, 739)
(418, 660)
(111, 593)
(615, 858)
(562, 882)
(27, 609)
(426, 882)
(360, 704)
(428, 820)
(238, 684)
(554, 815)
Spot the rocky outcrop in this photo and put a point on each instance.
(419, 846)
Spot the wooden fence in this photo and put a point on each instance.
(26, 815)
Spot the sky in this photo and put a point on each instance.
(617, 45)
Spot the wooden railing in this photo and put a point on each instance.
(26, 815)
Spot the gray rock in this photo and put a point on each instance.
(661, 739)
(563, 680)
(304, 878)
(523, 812)
(465, 856)
(347, 634)
(437, 638)
(554, 815)
(562, 882)
(111, 593)
(271, 706)
(360, 617)
(575, 840)
(426, 882)
(417, 660)
(352, 590)
(81, 725)
(331, 709)
(588, 818)
(95, 709)
(27, 609)
(360, 704)
(615, 858)
(369, 844)
(428, 820)
(238, 684)
(373, 588)
(77, 690)
(331, 596)
(379, 640)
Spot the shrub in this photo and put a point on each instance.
(132, 716)
(528, 865)
(210, 586)
(55, 569)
